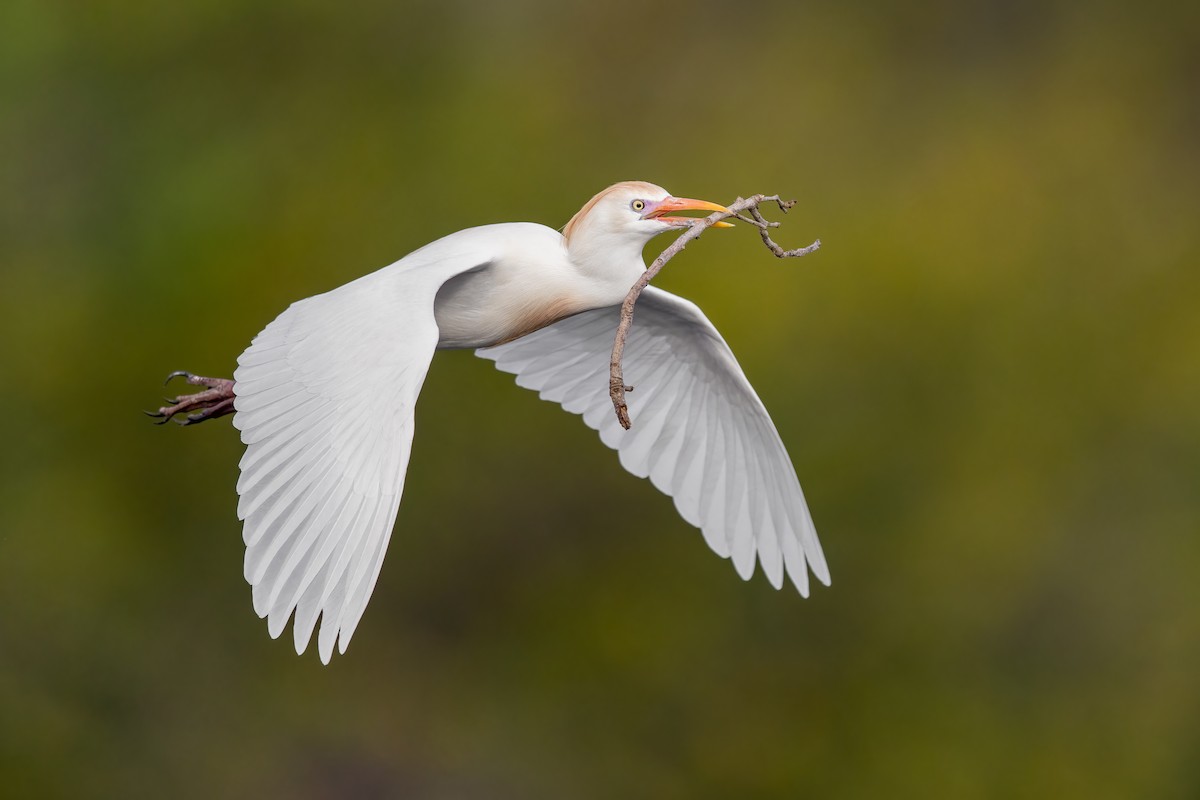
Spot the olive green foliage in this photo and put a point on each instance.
(988, 378)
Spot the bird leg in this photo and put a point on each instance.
(215, 401)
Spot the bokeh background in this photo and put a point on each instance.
(988, 378)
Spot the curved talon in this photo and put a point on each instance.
(215, 401)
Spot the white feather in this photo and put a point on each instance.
(325, 399)
(699, 431)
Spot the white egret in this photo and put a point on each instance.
(325, 398)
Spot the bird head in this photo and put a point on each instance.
(637, 210)
(620, 220)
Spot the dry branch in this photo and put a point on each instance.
(616, 380)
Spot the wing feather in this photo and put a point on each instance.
(324, 398)
(700, 433)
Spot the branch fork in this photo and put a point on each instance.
(745, 209)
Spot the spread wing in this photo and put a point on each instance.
(699, 432)
(324, 399)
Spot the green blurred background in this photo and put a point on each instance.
(988, 378)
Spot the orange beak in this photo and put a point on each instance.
(673, 204)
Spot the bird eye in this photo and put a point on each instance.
(638, 205)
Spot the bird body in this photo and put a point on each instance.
(494, 304)
(325, 399)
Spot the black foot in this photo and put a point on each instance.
(215, 401)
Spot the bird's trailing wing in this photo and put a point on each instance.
(699, 432)
(325, 398)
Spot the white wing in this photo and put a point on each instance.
(699, 432)
(325, 398)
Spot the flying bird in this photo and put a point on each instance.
(325, 395)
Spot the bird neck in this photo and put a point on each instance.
(609, 263)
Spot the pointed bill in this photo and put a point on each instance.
(671, 205)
